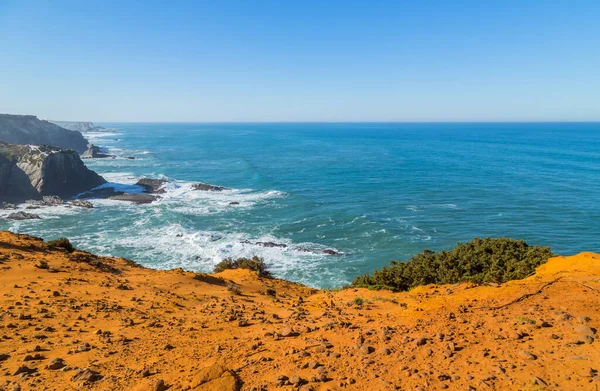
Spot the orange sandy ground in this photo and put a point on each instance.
(121, 327)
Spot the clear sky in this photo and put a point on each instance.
(304, 60)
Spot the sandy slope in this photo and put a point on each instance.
(121, 327)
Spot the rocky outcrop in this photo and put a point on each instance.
(22, 216)
(152, 186)
(28, 129)
(94, 152)
(79, 126)
(31, 172)
(207, 187)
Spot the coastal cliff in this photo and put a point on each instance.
(31, 172)
(74, 320)
(28, 129)
(79, 126)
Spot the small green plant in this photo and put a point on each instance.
(234, 288)
(255, 264)
(62, 243)
(358, 301)
(43, 264)
(385, 299)
(488, 260)
(207, 278)
(271, 292)
(522, 319)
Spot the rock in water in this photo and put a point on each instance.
(94, 152)
(153, 186)
(207, 187)
(22, 216)
(31, 172)
(135, 198)
(28, 129)
(81, 204)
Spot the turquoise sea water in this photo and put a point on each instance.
(373, 192)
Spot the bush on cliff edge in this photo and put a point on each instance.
(488, 260)
(255, 264)
(62, 243)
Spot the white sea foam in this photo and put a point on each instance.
(176, 246)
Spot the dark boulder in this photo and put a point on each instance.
(152, 186)
(22, 216)
(81, 204)
(207, 187)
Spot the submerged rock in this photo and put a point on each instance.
(135, 198)
(265, 244)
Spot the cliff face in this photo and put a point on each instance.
(30, 172)
(28, 129)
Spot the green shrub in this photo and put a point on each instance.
(255, 264)
(63, 243)
(488, 260)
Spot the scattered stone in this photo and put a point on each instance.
(539, 382)
(23, 369)
(56, 363)
(366, 349)
(87, 375)
(421, 341)
(160, 386)
(585, 330)
(527, 355)
(287, 332)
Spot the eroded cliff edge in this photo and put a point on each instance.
(72, 319)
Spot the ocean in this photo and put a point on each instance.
(372, 192)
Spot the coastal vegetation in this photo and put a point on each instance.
(487, 260)
(255, 264)
(62, 243)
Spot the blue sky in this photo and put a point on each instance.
(273, 60)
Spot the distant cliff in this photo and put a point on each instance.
(30, 172)
(79, 126)
(28, 129)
